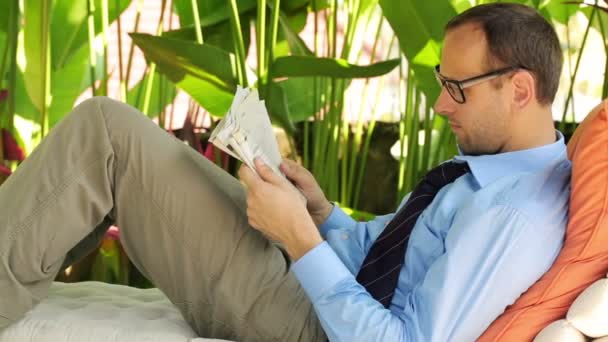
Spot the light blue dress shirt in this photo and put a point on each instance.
(480, 244)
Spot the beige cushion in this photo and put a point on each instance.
(589, 312)
(560, 331)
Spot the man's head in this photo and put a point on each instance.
(517, 54)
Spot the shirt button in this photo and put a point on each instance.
(344, 236)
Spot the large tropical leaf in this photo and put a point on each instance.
(298, 99)
(211, 12)
(294, 66)
(419, 27)
(69, 30)
(204, 71)
(4, 13)
(36, 33)
(560, 12)
(23, 104)
(67, 84)
(214, 11)
(289, 31)
(219, 34)
(278, 108)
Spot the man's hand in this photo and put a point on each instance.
(318, 206)
(276, 209)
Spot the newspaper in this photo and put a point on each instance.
(246, 132)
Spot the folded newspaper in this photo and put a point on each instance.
(246, 132)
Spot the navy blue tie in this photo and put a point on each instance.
(382, 265)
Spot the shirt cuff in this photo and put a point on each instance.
(337, 218)
(319, 270)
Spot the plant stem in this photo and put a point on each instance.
(3, 62)
(269, 59)
(403, 91)
(197, 22)
(105, 22)
(132, 47)
(370, 131)
(13, 38)
(261, 40)
(238, 41)
(309, 161)
(92, 53)
(123, 85)
(151, 73)
(358, 137)
(604, 38)
(573, 77)
(46, 62)
(428, 131)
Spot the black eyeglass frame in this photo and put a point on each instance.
(463, 84)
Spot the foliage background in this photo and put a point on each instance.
(347, 83)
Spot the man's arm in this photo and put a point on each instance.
(488, 262)
(326, 215)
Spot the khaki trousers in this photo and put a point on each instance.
(182, 221)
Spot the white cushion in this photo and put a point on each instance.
(560, 331)
(99, 312)
(589, 312)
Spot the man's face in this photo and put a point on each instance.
(481, 124)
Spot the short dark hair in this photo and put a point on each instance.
(518, 35)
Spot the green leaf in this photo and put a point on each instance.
(365, 6)
(278, 109)
(67, 84)
(204, 71)
(34, 34)
(299, 96)
(155, 106)
(69, 30)
(319, 5)
(211, 11)
(219, 34)
(294, 66)
(419, 26)
(215, 11)
(296, 45)
(4, 12)
(561, 12)
(290, 6)
(460, 5)
(23, 104)
(4, 45)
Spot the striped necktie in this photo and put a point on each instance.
(381, 267)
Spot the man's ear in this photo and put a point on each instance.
(524, 88)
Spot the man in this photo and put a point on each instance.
(485, 237)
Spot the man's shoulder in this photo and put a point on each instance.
(541, 196)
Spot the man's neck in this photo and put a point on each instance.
(535, 129)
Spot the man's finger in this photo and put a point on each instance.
(248, 176)
(267, 174)
(294, 171)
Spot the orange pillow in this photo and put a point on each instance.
(584, 257)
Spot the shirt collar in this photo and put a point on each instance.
(487, 168)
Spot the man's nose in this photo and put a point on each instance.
(445, 104)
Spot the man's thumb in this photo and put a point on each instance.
(291, 169)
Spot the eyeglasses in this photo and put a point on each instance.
(456, 88)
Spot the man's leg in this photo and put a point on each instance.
(182, 224)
